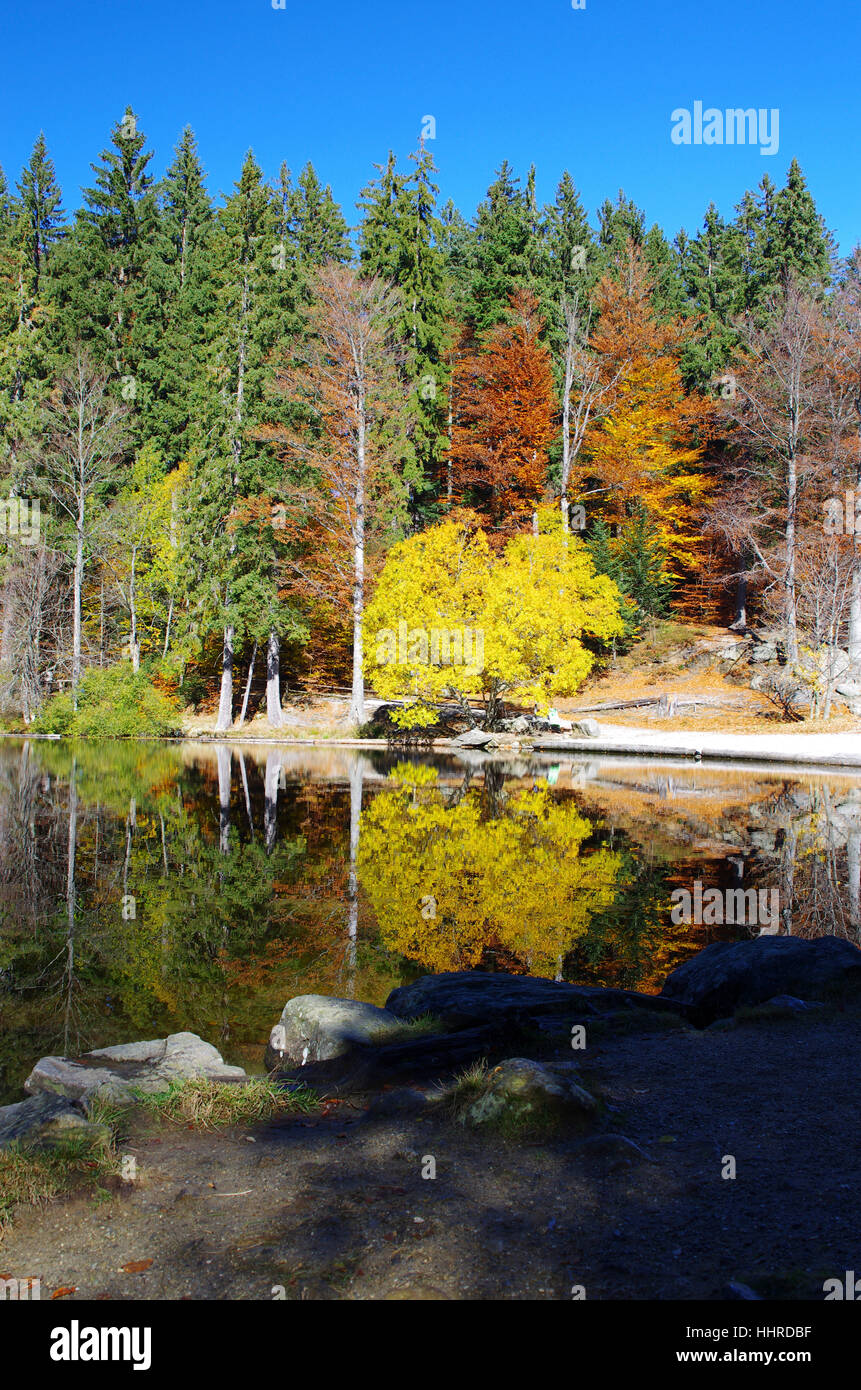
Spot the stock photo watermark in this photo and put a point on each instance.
(734, 126)
(21, 517)
(842, 516)
(436, 647)
(717, 906)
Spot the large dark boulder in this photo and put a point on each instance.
(730, 974)
(462, 999)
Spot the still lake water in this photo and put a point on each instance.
(147, 888)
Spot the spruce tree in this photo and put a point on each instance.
(178, 304)
(319, 231)
(502, 254)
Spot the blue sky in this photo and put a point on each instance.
(339, 83)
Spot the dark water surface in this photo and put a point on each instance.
(149, 888)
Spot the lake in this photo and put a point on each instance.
(148, 888)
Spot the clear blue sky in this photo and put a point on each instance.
(340, 82)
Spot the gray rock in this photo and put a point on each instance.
(473, 738)
(25, 1118)
(113, 1073)
(586, 728)
(726, 975)
(518, 1088)
(763, 651)
(316, 1028)
(63, 1077)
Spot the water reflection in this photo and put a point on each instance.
(150, 888)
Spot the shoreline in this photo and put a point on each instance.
(770, 750)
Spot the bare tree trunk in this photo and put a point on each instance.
(167, 629)
(71, 903)
(134, 645)
(273, 681)
(566, 418)
(270, 798)
(77, 587)
(224, 758)
(244, 776)
(790, 606)
(853, 869)
(356, 777)
(225, 701)
(357, 703)
(244, 710)
(855, 594)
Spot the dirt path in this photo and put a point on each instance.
(335, 1206)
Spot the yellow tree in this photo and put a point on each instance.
(446, 883)
(451, 620)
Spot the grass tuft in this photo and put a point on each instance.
(213, 1105)
(32, 1177)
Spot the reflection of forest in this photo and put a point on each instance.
(150, 888)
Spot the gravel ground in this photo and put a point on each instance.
(334, 1206)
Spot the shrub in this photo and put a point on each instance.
(112, 703)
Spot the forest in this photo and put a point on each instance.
(240, 437)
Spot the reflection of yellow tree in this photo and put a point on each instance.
(444, 883)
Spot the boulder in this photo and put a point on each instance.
(45, 1120)
(462, 999)
(473, 738)
(315, 1028)
(587, 728)
(23, 1121)
(729, 974)
(114, 1073)
(518, 1089)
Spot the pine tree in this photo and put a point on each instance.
(712, 275)
(571, 249)
(502, 253)
(398, 242)
(41, 206)
(100, 273)
(178, 303)
(319, 231)
(30, 226)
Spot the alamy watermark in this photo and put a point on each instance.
(437, 647)
(842, 517)
(717, 906)
(735, 126)
(21, 517)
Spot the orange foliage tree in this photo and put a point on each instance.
(647, 446)
(503, 417)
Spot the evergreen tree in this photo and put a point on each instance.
(571, 250)
(503, 252)
(100, 268)
(398, 242)
(41, 207)
(30, 226)
(782, 237)
(178, 305)
(319, 231)
(713, 280)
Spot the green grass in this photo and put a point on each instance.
(206, 1104)
(32, 1177)
(466, 1088)
(423, 1026)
